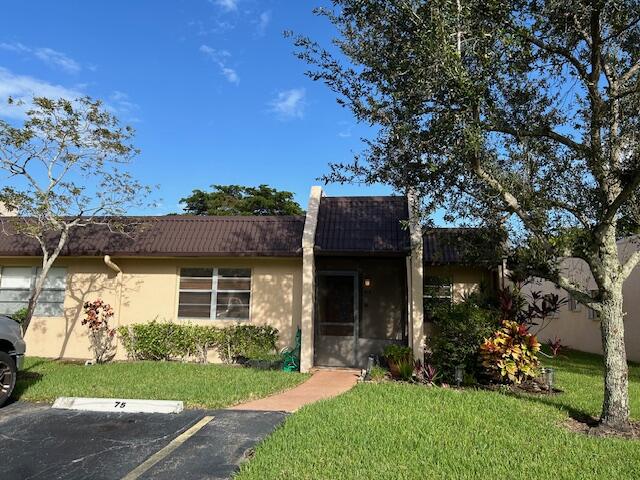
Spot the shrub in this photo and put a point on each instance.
(101, 336)
(168, 341)
(426, 373)
(248, 341)
(459, 330)
(510, 354)
(20, 315)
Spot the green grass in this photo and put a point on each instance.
(401, 431)
(199, 386)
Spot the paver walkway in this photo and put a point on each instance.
(322, 384)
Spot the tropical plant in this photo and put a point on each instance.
(400, 361)
(101, 335)
(510, 354)
(426, 373)
(555, 346)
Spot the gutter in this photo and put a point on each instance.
(119, 275)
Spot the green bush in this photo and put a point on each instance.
(459, 330)
(169, 341)
(20, 315)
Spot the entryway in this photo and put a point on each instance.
(360, 307)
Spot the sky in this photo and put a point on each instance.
(211, 87)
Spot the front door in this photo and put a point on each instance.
(336, 319)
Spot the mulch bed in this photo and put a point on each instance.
(533, 387)
(590, 426)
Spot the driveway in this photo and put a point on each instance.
(37, 442)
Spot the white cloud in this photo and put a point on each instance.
(121, 105)
(263, 22)
(57, 59)
(228, 5)
(289, 103)
(23, 87)
(47, 55)
(220, 58)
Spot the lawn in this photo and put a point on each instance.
(199, 386)
(400, 431)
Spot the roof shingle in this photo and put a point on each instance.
(362, 225)
(182, 236)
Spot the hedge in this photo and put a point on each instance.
(172, 341)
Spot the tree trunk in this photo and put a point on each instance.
(615, 409)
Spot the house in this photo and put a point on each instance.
(577, 326)
(352, 274)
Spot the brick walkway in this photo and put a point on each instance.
(322, 384)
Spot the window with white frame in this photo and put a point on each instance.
(438, 291)
(215, 293)
(16, 284)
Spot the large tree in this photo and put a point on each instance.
(240, 200)
(521, 113)
(64, 170)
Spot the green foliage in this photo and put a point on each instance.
(20, 315)
(249, 341)
(397, 353)
(167, 341)
(510, 354)
(240, 200)
(378, 373)
(400, 361)
(459, 331)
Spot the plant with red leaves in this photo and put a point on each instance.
(97, 317)
(555, 345)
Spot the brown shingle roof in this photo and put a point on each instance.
(182, 236)
(470, 246)
(362, 225)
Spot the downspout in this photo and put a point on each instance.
(110, 264)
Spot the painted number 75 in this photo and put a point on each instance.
(120, 404)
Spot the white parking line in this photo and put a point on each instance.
(163, 453)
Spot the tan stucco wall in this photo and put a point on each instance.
(574, 328)
(149, 291)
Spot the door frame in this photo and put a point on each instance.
(355, 274)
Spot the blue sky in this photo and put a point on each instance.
(211, 87)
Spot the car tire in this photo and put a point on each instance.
(8, 373)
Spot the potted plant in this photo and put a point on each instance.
(400, 361)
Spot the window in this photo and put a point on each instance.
(573, 304)
(591, 313)
(16, 284)
(215, 293)
(438, 291)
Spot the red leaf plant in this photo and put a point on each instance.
(101, 335)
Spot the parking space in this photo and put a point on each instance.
(37, 442)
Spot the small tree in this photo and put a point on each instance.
(519, 113)
(64, 166)
(101, 335)
(239, 200)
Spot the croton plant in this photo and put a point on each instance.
(510, 354)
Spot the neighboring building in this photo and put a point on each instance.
(351, 274)
(578, 326)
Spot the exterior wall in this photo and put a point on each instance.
(149, 291)
(574, 328)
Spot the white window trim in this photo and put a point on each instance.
(213, 311)
(32, 286)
